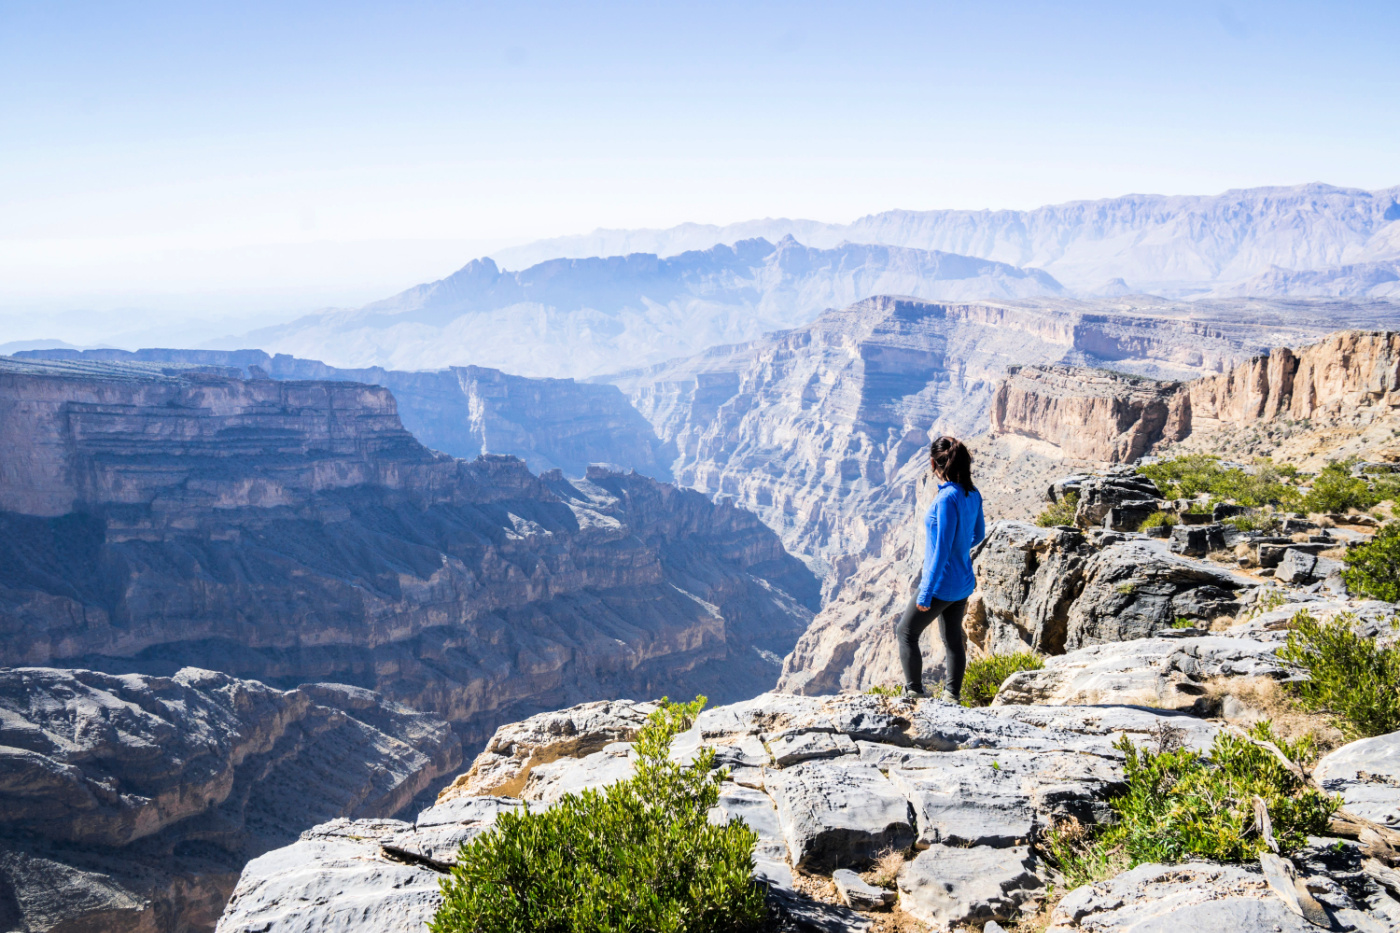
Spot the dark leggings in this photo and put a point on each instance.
(912, 624)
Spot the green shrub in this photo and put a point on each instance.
(1373, 569)
(884, 690)
(1336, 490)
(1259, 521)
(1348, 675)
(984, 677)
(1158, 520)
(1179, 805)
(1188, 476)
(1183, 622)
(639, 855)
(1059, 513)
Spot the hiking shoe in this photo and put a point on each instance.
(948, 696)
(915, 694)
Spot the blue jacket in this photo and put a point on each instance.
(952, 527)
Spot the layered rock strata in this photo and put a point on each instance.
(131, 803)
(294, 532)
(1333, 398)
(462, 410)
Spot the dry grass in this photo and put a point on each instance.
(893, 920)
(886, 869)
(1322, 521)
(1336, 553)
(1268, 698)
(1248, 553)
(1300, 537)
(1221, 623)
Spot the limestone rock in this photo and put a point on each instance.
(504, 765)
(1028, 578)
(1138, 588)
(132, 802)
(948, 885)
(1367, 775)
(1102, 492)
(789, 748)
(837, 813)
(855, 892)
(1197, 540)
(1193, 896)
(1158, 672)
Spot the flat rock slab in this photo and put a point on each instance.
(1367, 775)
(947, 886)
(549, 782)
(1191, 897)
(856, 893)
(839, 814)
(333, 880)
(1166, 673)
(791, 747)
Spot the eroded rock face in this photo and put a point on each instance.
(1090, 414)
(132, 802)
(1367, 775)
(1028, 578)
(292, 532)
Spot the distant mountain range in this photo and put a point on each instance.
(585, 316)
(1175, 246)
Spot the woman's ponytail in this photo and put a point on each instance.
(953, 461)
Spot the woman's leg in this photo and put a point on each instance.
(906, 634)
(950, 629)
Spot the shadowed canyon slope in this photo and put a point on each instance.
(1250, 241)
(579, 317)
(156, 517)
(463, 411)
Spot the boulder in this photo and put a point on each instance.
(1272, 554)
(1367, 775)
(1129, 516)
(1028, 577)
(1138, 588)
(1099, 493)
(1197, 540)
(1223, 510)
(948, 886)
(789, 748)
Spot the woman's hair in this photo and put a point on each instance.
(952, 460)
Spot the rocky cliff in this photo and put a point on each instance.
(1328, 399)
(130, 803)
(463, 410)
(156, 517)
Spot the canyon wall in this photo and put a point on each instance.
(153, 517)
(1337, 397)
(464, 410)
(130, 804)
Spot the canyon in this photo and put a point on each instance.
(154, 517)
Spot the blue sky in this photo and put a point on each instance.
(257, 157)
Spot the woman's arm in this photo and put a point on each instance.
(939, 527)
(979, 530)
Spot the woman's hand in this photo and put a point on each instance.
(926, 608)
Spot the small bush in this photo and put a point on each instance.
(1373, 569)
(1183, 622)
(1158, 520)
(1059, 513)
(1260, 521)
(1189, 476)
(1179, 806)
(637, 855)
(884, 690)
(985, 676)
(1348, 675)
(1336, 490)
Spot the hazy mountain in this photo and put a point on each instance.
(1356, 280)
(579, 317)
(1168, 245)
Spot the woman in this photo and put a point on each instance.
(953, 525)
